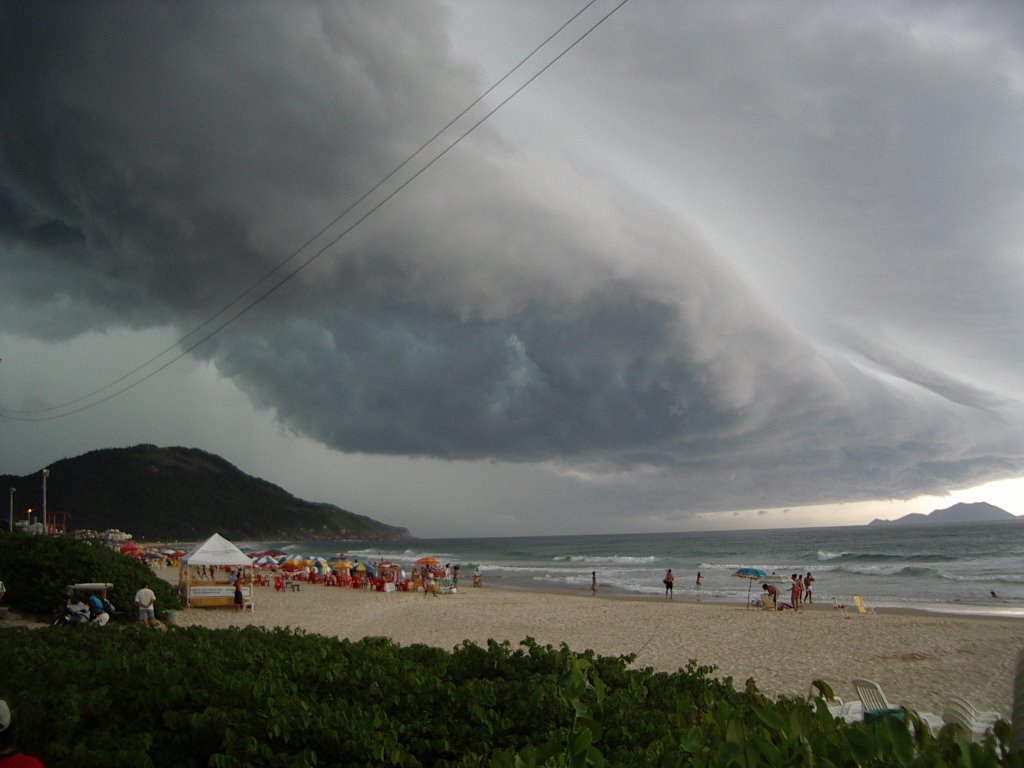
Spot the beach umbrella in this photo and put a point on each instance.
(319, 564)
(756, 574)
(341, 565)
(751, 575)
(427, 561)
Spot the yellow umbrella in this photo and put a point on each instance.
(342, 565)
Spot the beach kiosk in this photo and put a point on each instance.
(200, 582)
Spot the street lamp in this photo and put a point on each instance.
(46, 474)
(10, 520)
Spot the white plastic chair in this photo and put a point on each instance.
(977, 723)
(875, 704)
(850, 711)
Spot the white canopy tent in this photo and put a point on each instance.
(215, 551)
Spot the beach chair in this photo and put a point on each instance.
(850, 711)
(959, 711)
(876, 705)
(861, 608)
(841, 607)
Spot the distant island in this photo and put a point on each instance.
(180, 495)
(958, 514)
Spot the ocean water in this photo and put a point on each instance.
(952, 569)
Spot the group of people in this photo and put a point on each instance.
(97, 609)
(800, 591)
(446, 580)
(669, 581)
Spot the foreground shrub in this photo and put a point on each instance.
(131, 696)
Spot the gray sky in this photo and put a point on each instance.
(723, 264)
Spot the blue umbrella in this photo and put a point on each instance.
(756, 574)
(752, 573)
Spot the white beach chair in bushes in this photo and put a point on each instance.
(850, 711)
(876, 705)
(961, 712)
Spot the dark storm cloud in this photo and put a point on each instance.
(518, 302)
(180, 149)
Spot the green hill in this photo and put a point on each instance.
(182, 494)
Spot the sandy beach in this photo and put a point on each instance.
(918, 658)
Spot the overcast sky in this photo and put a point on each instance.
(721, 265)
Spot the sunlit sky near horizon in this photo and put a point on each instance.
(728, 265)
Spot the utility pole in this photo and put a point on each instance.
(10, 520)
(46, 474)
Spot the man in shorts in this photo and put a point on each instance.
(146, 600)
(808, 581)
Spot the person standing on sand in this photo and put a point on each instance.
(669, 580)
(429, 584)
(794, 591)
(808, 580)
(593, 582)
(145, 600)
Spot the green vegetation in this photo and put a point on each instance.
(132, 696)
(183, 494)
(35, 570)
(128, 695)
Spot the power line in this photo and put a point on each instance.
(294, 254)
(34, 415)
